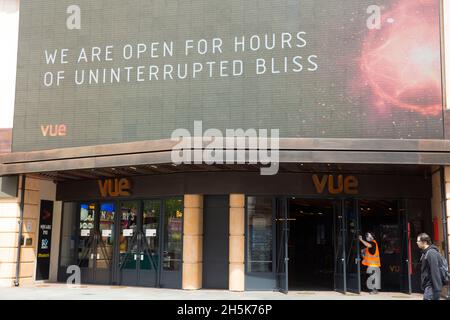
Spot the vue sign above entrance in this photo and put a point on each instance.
(114, 188)
(336, 185)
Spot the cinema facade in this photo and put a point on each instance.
(150, 223)
(92, 182)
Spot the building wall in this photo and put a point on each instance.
(193, 239)
(9, 33)
(447, 196)
(447, 218)
(9, 214)
(35, 191)
(436, 206)
(437, 210)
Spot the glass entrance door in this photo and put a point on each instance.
(139, 243)
(406, 249)
(340, 282)
(347, 274)
(148, 243)
(105, 243)
(96, 242)
(171, 251)
(282, 233)
(352, 247)
(128, 243)
(86, 241)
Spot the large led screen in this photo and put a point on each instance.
(112, 71)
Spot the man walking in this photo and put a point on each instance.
(371, 259)
(430, 273)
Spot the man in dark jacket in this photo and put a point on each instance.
(430, 275)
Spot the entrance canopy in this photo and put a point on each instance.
(148, 157)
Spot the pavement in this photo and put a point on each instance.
(60, 291)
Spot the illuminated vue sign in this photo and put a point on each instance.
(111, 71)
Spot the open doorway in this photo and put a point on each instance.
(386, 220)
(310, 244)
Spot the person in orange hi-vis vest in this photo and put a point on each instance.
(371, 259)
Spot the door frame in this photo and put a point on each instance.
(114, 277)
(119, 274)
(341, 202)
(261, 280)
(336, 201)
(282, 249)
(93, 250)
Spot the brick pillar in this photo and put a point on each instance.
(237, 242)
(193, 242)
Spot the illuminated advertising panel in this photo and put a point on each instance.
(111, 71)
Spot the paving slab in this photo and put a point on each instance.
(95, 292)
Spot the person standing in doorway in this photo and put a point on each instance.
(371, 259)
(430, 273)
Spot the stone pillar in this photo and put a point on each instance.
(9, 232)
(237, 242)
(193, 242)
(35, 190)
(9, 217)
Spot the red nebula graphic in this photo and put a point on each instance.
(401, 62)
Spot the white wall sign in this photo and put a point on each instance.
(127, 232)
(106, 233)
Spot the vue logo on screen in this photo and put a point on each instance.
(54, 130)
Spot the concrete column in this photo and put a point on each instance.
(237, 242)
(193, 242)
